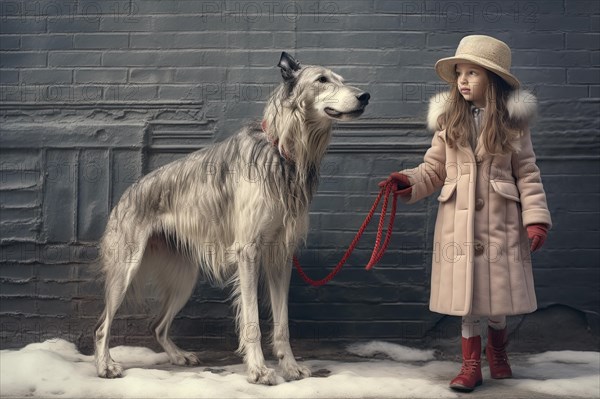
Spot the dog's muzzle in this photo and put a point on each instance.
(363, 101)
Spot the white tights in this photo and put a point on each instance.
(471, 328)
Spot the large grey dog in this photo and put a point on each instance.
(233, 212)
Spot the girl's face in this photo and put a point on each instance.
(472, 81)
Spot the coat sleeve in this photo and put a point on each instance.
(529, 182)
(429, 176)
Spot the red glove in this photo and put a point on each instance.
(402, 184)
(537, 234)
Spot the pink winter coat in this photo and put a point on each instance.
(481, 260)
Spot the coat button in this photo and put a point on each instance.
(478, 247)
(479, 204)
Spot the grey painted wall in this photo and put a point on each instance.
(94, 94)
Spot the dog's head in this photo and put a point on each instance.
(321, 91)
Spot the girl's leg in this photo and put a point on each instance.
(470, 372)
(497, 322)
(471, 326)
(495, 350)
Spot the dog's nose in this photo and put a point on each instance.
(364, 98)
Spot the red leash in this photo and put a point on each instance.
(378, 250)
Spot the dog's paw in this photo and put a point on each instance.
(295, 372)
(262, 375)
(110, 370)
(185, 359)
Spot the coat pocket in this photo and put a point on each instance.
(447, 191)
(507, 189)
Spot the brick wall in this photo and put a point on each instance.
(94, 94)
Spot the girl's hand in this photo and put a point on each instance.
(402, 184)
(537, 234)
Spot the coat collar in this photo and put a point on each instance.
(521, 105)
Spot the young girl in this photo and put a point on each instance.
(491, 203)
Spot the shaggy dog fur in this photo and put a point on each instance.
(233, 213)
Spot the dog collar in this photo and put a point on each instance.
(275, 142)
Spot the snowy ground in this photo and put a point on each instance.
(56, 369)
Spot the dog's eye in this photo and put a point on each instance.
(323, 79)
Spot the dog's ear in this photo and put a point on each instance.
(288, 65)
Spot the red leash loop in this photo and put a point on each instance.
(378, 250)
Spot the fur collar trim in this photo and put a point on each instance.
(521, 105)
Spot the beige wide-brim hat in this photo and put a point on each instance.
(485, 51)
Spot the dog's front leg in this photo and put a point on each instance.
(249, 329)
(279, 283)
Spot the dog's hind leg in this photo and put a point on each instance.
(121, 260)
(278, 280)
(176, 279)
(248, 319)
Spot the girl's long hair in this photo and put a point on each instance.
(499, 133)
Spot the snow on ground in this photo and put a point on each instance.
(563, 373)
(55, 368)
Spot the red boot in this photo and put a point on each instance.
(495, 351)
(470, 372)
